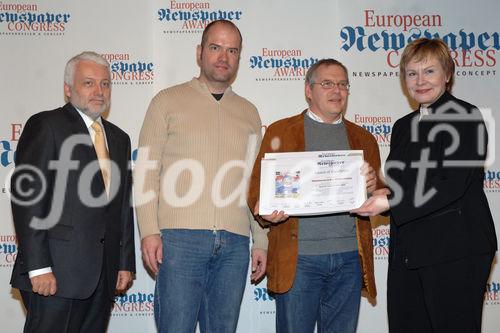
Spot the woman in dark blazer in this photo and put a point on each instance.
(443, 238)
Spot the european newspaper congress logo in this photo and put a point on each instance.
(8, 145)
(30, 19)
(134, 304)
(192, 17)
(8, 152)
(491, 181)
(474, 52)
(128, 70)
(272, 64)
(8, 250)
(379, 126)
(381, 242)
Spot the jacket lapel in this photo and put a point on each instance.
(295, 139)
(84, 151)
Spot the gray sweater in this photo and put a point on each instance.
(332, 233)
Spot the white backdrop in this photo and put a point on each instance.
(151, 45)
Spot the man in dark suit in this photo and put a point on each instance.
(71, 207)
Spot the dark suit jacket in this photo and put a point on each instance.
(83, 238)
(456, 221)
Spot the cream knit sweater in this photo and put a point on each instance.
(204, 150)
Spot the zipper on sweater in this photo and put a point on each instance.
(215, 226)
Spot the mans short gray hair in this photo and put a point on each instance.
(69, 70)
(311, 72)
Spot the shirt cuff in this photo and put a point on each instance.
(40, 271)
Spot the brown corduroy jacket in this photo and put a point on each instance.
(287, 135)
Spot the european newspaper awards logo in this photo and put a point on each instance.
(379, 126)
(192, 17)
(134, 304)
(474, 52)
(128, 70)
(280, 64)
(8, 250)
(31, 20)
(492, 294)
(262, 296)
(381, 242)
(491, 181)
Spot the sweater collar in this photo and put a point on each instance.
(203, 88)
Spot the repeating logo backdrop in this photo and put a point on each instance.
(151, 45)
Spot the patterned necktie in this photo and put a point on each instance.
(102, 154)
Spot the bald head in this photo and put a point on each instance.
(226, 23)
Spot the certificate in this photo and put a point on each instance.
(312, 183)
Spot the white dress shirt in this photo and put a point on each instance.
(315, 117)
(423, 112)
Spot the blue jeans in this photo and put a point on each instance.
(326, 290)
(202, 278)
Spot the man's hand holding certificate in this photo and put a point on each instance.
(312, 183)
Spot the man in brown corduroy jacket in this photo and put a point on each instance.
(318, 265)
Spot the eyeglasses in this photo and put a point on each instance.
(327, 84)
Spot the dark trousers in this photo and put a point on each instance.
(52, 314)
(440, 298)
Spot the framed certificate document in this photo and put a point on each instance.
(312, 183)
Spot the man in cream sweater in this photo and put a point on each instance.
(196, 147)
